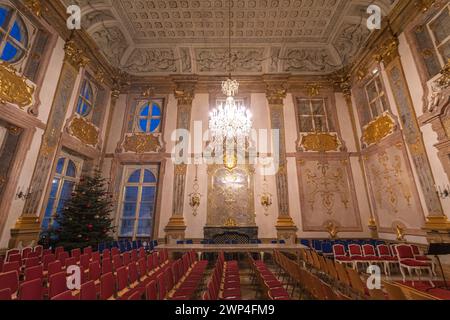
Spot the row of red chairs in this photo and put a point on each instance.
(263, 276)
(53, 280)
(225, 283)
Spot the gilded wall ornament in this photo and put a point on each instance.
(74, 55)
(142, 143)
(195, 196)
(378, 129)
(85, 131)
(320, 142)
(14, 88)
(332, 229)
(35, 6)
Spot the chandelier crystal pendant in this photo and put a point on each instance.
(230, 121)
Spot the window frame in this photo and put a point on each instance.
(62, 179)
(30, 32)
(433, 37)
(129, 171)
(327, 115)
(87, 81)
(149, 118)
(381, 93)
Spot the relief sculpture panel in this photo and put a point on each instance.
(327, 194)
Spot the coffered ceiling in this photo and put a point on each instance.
(156, 37)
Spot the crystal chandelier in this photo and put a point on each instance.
(231, 120)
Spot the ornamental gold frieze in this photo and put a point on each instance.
(320, 142)
(84, 131)
(14, 88)
(35, 6)
(142, 143)
(378, 129)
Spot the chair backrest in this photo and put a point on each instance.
(133, 272)
(134, 255)
(369, 250)
(162, 291)
(36, 272)
(76, 253)
(126, 258)
(58, 250)
(11, 252)
(71, 262)
(87, 250)
(65, 296)
(54, 267)
(106, 286)
(47, 259)
(142, 267)
(84, 261)
(394, 249)
(115, 251)
(95, 256)
(383, 250)
(31, 290)
(57, 284)
(62, 256)
(107, 266)
(355, 281)
(11, 266)
(155, 259)
(31, 262)
(150, 291)
(150, 266)
(338, 250)
(5, 294)
(88, 291)
(354, 250)
(135, 296)
(404, 251)
(415, 249)
(95, 271)
(9, 280)
(26, 251)
(117, 262)
(15, 258)
(121, 278)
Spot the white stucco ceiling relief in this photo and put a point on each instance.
(145, 37)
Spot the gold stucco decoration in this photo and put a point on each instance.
(14, 88)
(142, 143)
(378, 129)
(85, 131)
(320, 142)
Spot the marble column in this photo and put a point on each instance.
(344, 83)
(27, 227)
(185, 92)
(388, 54)
(286, 229)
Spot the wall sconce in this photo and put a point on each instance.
(195, 196)
(266, 196)
(443, 192)
(24, 195)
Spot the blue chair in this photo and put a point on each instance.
(253, 241)
(305, 242)
(211, 242)
(180, 242)
(203, 241)
(122, 246)
(189, 241)
(128, 246)
(258, 241)
(101, 247)
(317, 245)
(115, 244)
(139, 243)
(134, 245)
(274, 242)
(155, 243)
(327, 248)
(282, 242)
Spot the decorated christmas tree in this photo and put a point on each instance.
(85, 220)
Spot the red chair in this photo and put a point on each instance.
(62, 256)
(134, 255)
(57, 284)
(54, 267)
(9, 280)
(31, 290)
(95, 256)
(115, 251)
(407, 261)
(106, 254)
(71, 262)
(88, 291)
(95, 271)
(107, 286)
(370, 253)
(15, 258)
(419, 256)
(76, 253)
(84, 261)
(121, 280)
(34, 273)
(117, 262)
(1, 265)
(58, 250)
(88, 251)
(47, 259)
(135, 296)
(39, 250)
(107, 266)
(142, 269)
(340, 255)
(46, 252)
(11, 252)
(150, 290)
(65, 296)
(31, 262)
(11, 266)
(162, 290)
(126, 258)
(5, 294)
(150, 266)
(133, 274)
(386, 257)
(26, 251)
(357, 256)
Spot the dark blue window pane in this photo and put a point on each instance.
(156, 111)
(127, 228)
(79, 105)
(131, 194)
(148, 193)
(3, 15)
(145, 111)
(45, 223)
(15, 32)
(129, 209)
(60, 165)
(54, 189)
(146, 210)
(49, 209)
(154, 125)
(144, 228)
(135, 177)
(149, 176)
(71, 169)
(143, 124)
(9, 53)
(88, 93)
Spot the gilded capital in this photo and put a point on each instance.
(74, 55)
(35, 6)
(388, 51)
(276, 95)
(185, 96)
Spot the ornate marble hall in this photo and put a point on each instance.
(279, 147)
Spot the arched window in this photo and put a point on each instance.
(86, 99)
(64, 181)
(13, 35)
(138, 203)
(150, 118)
